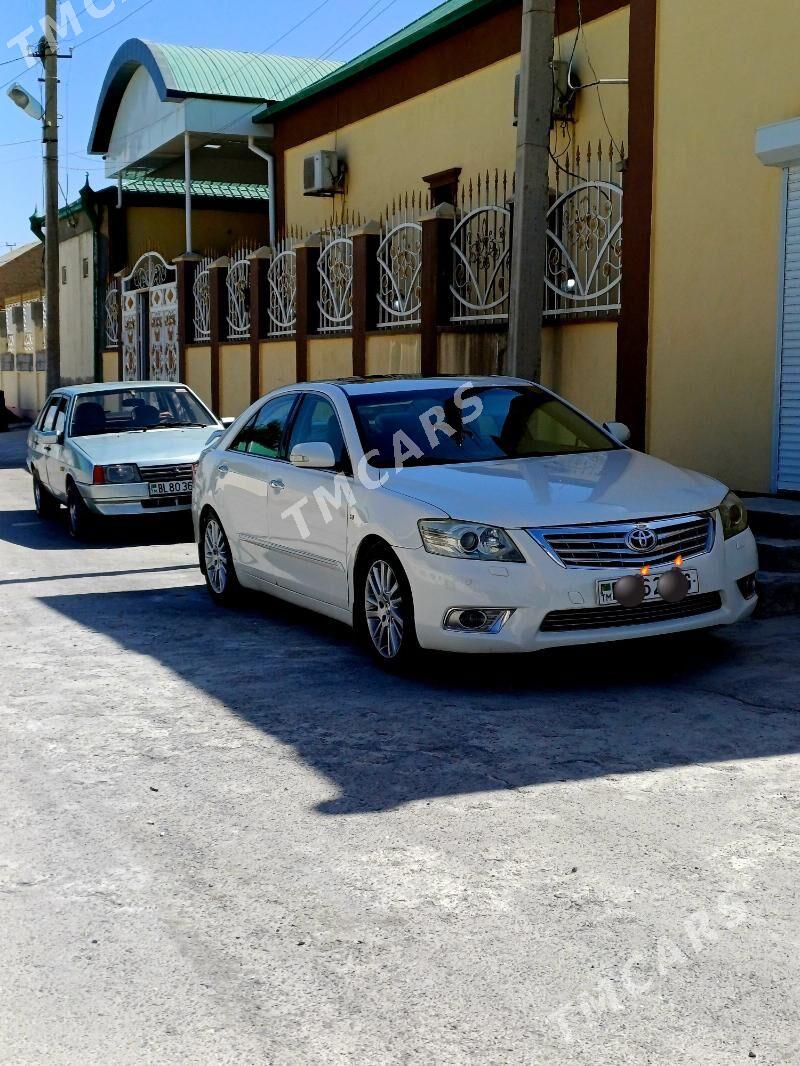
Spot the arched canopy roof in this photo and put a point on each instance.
(179, 72)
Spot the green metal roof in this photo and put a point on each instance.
(243, 75)
(435, 21)
(219, 190)
(181, 71)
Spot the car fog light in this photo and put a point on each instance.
(477, 619)
(747, 586)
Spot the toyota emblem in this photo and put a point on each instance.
(641, 539)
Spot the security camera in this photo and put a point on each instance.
(24, 100)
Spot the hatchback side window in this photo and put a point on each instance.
(318, 423)
(269, 427)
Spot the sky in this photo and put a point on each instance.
(337, 29)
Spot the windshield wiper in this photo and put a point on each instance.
(179, 425)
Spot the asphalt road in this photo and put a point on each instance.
(227, 838)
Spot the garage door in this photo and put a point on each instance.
(788, 458)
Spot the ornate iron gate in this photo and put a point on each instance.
(150, 321)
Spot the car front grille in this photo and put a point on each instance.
(583, 618)
(606, 547)
(180, 472)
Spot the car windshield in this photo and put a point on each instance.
(137, 410)
(438, 425)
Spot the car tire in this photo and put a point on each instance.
(45, 503)
(216, 561)
(80, 520)
(386, 611)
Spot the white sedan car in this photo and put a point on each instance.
(471, 516)
(117, 449)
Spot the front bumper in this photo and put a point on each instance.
(541, 586)
(131, 500)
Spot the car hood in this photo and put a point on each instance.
(560, 490)
(150, 447)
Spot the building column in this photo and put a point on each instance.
(185, 268)
(218, 292)
(365, 291)
(437, 265)
(187, 188)
(307, 299)
(260, 262)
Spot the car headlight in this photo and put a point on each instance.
(121, 473)
(734, 515)
(466, 540)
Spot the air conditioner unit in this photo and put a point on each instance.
(321, 174)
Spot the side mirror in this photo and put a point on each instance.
(618, 430)
(316, 455)
(227, 421)
(60, 437)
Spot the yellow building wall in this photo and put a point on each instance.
(725, 67)
(198, 370)
(164, 229)
(330, 357)
(234, 379)
(393, 353)
(110, 360)
(278, 364)
(465, 123)
(579, 362)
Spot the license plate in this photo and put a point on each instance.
(170, 488)
(605, 589)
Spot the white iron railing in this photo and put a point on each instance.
(201, 300)
(112, 315)
(282, 288)
(583, 266)
(335, 266)
(481, 246)
(400, 265)
(238, 285)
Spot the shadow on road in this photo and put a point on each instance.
(27, 530)
(465, 725)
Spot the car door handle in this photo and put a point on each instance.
(277, 485)
(47, 447)
(222, 469)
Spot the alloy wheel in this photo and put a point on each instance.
(383, 608)
(215, 553)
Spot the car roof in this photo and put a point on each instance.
(414, 382)
(113, 386)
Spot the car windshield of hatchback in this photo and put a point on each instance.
(137, 410)
(435, 426)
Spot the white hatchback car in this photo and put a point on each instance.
(472, 516)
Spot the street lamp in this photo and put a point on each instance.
(24, 100)
(47, 52)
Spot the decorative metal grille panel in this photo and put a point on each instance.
(27, 328)
(201, 300)
(130, 336)
(335, 266)
(112, 316)
(238, 284)
(481, 245)
(282, 289)
(400, 266)
(584, 236)
(163, 329)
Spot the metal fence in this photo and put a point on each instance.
(335, 266)
(481, 249)
(201, 300)
(400, 263)
(238, 285)
(112, 315)
(583, 266)
(281, 284)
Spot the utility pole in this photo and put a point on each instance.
(524, 357)
(48, 53)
